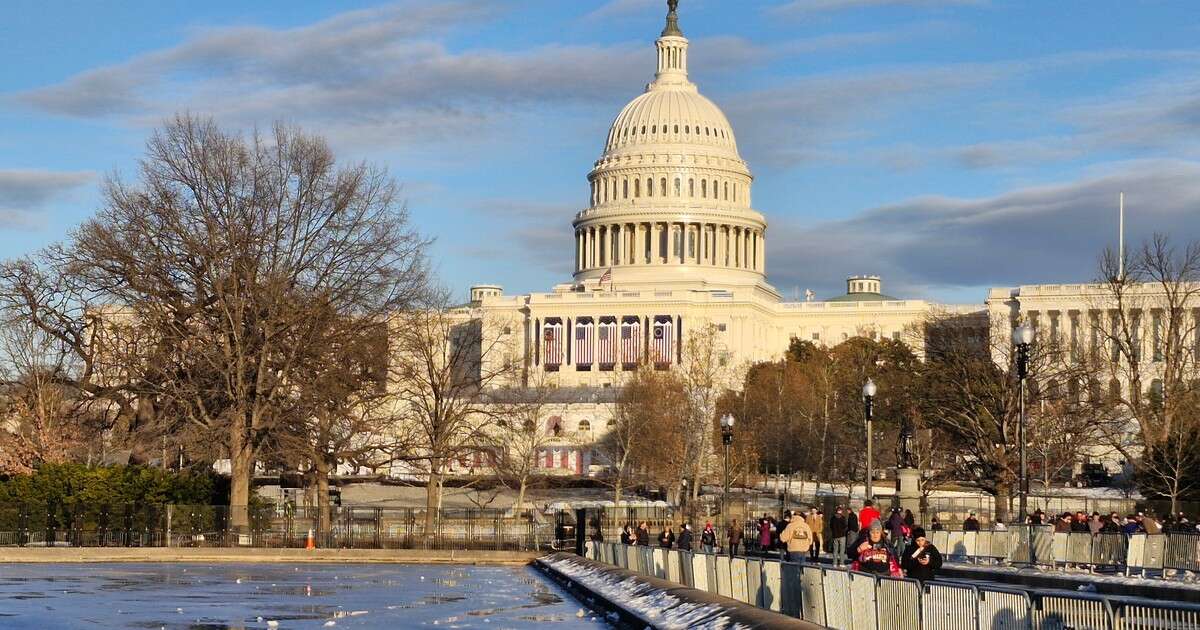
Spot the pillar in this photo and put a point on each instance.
(653, 243)
(762, 251)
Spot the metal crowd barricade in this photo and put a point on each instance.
(941, 540)
(660, 563)
(771, 594)
(700, 574)
(737, 579)
(792, 589)
(723, 583)
(1003, 609)
(863, 615)
(674, 567)
(1079, 548)
(812, 594)
(1182, 552)
(645, 560)
(949, 606)
(1042, 544)
(981, 547)
(956, 547)
(754, 595)
(1151, 616)
(687, 571)
(1077, 612)
(898, 604)
(1108, 550)
(835, 587)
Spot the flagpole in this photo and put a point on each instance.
(1121, 240)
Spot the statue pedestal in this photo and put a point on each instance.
(908, 489)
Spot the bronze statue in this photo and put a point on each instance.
(906, 455)
(672, 5)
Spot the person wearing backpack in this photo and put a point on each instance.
(797, 538)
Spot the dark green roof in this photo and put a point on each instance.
(862, 297)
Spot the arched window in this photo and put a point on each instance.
(649, 187)
(676, 128)
(625, 188)
(643, 130)
(637, 188)
(704, 189)
(686, 129)
(706, 131)
(691, 187)
(653, 128)
(735, 192)
(527, 426)
(662, 187)
(726, 191)
(584, 425)
(676, 186)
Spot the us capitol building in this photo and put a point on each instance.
(670, 242)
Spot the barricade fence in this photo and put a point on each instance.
(347, 526)
(836, 597)
(1041, 545)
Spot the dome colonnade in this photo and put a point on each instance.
(670, 192)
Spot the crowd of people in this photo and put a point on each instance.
(863, 540)
(871, 542)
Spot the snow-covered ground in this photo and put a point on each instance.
(659, 608)
(227, 597)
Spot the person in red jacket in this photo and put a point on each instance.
(872, 554)
(867, 515)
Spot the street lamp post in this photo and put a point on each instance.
(726, 439)
(869, 411)
(1022, 337)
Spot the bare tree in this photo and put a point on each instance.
(1149, 354)
(523, 426)
(442, 361)
(704, 374)
(235, 255)
(41, 419)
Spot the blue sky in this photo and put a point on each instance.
(947, 145)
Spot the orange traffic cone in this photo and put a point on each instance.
(311, 543)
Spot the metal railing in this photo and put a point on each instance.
(347, 526)
(849, 600)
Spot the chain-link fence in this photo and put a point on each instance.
(348, 526)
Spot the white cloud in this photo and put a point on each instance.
(807, 7)
(625, 7)
(24, 193)
(1051, 233)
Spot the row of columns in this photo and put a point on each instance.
(605, 189)
(535, 343)
(717, 245)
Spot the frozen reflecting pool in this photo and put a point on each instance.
(227, 596)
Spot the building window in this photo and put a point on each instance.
(584, 426)
(721, 327)
(625, 188)
(691, 187)
(637, 188)
(816, 336)
(704, 189)
(896, 336)
(662, 187)
(676, 186)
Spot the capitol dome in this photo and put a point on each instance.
(670, 196)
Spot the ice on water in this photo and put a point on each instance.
(232, 596)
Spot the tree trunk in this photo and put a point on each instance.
(241, 470)
(1003, 497)
(521, 494)
(433, 495)
(324, 509)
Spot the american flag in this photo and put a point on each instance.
(607, 277)
(606, 334)
(631, 342)
(552, 343)
(660, 346)
(583, 343)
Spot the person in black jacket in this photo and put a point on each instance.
(626, 536)
(666, 538)
(837, 535)
(921, 559)
(684, 542)
(972, 523)
(643, 534)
